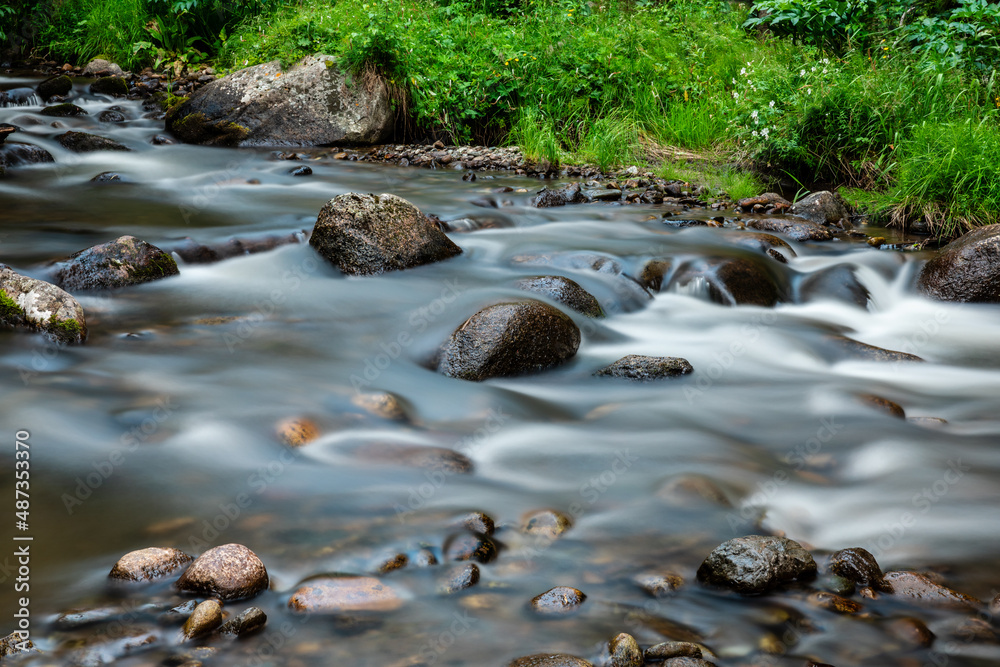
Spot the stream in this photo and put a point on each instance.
(160, 429)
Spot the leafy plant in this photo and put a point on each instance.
(828, 23)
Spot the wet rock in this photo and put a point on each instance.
(110, 85)
(296, 431)
(685, 488)
(509, 339)
(309, 104)
(108, 177)
(111, 116)
(644, 369)
(550, 524)
(14, 643)
(301, 171)
(14, 154)
(65, 110)
(478, 522)
(866, 352)
(794, 229)
(459, 577)
(601, 194)
(245, 623)
(549, 660)
(124, 262)
(425, 558)
(965, 270)
(565, 291)
(81, 142)
(769, 200)
(558, 601)
(161, 140)
(468, 546)
(766, 243)
(569, 194)
(624, 650)
(104, 648)
(668, 650)
(101, 67)
(653, 272)
(380, 404)
(858, 565)
(392, 563)
(911, 631)
(834, 603)
(27, 303)
(733, 281)
(837, 283)
(884, 405)
(755, 564)
(922, 591)
(823, 208)
(149, 564)
(229, 572)
(177, 615)
(336, 595)
(17, 97)
(6, 129)
(688, 662)
(206, 617)
(927, 422)
(369, 234)
(659, 584)
(57, 85)
(416, 456)
(195, 253)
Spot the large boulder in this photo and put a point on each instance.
(565, 291)
(36, 305)
(57, 85)
(313, 103)
(755, 564)
(101, 67)
(823, 208)
(733, 281)
(837, 283)
(120, 263)
(967, 269)
(509, 339)
(14, 154)
(370, 234)
(114, 86)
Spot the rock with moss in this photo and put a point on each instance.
(643, 369)
(110, 85)
(64, 110)
(371, 234)
(312, 103)
(35, 305)
(57, 85)
(509, 339)
(965, 270)
(120, 263)
(565, 291)
(81, 142)
(823, 208)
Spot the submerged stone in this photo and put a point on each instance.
(120, 263)
(643, 368)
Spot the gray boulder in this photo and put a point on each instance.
(509, 339)
(642, 368)
(823, 208)
(27, 303)
(755, 564)
(120, 263)
(967, 269)
(564, 291)
(101, 67)
(371, 234)
(797, 230)
(313, 103)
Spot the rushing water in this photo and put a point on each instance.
(148, 433)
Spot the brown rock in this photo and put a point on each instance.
(884, 405)
(911, 631)
(247, 622)
(797, 230)
(333, 595)
(297, 431)
(149, 564)
(624, 650)
(659, 584)
(459, 577)
(643, 369)
(549, 660)
(966, 270)
(547, 523)
(229, 572)
(394, 562)
(769, 199)
(478, 522)
(206, 617)
(468, 546)
(858, 565)
(922, 591)
(668, 650)
(834, 603)
(558, 601)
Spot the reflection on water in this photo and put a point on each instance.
(151, 432)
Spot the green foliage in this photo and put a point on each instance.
(966, 36)
(827, 23)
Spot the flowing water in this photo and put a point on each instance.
(159, 431)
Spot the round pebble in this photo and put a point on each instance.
(229, 572)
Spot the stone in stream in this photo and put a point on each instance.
(756, 564)
(823, 208)
(667, 650)
(458, 578)
(644, 369)
(111, 116)
(858, 565)
(108, 177)
(565, 291)
(921, 590)
(35, 305)
(247, 622)
(193, 252)
(343, 594)
(57, 85)
(417, 456)
(569, 194)
(64, 110)
(101, 67)
(229, 572)
(469, 546)
(966, 270)
(149, 564)
(797, 230)
(624, 650)
(546, 523)
(296, 431)
(81, 142)
(391, 563)
(549, 660)
(509, 339)
(769, 244)
(834, 603)
(312, 103)
(688, 488)
(911, 631)
(371, 234)
(120, 263)
(380, 404)
(206, 617)
(6, 129)
(15, 644)
(477, 522)
(15, 154)
(301, 171)
(768, 200)
(837, 283)
(653, 272)
(110, 85)
(690, 662)
(558, 601)
(865, 352)
(659, 584)
(883, 405)
(735, 281)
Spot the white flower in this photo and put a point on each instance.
(826, 61)
(755, 133)
(802, 72)
(764, 132)
(736, 95)
(812, 69)
(743, 72)
(771, 104)
(809, 91)
(824, 70)
(753, 114)
(734, 81)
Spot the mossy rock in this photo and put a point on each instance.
(57, 85)
(64, 110)
(81, 142)
(35, 305)
(110, 85)
(196, 128)
(123, 262)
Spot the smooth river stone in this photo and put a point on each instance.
(229, 572)
(149, 564)
(333, 595)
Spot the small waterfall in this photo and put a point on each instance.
(19, 97)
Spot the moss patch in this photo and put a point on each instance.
(196, 128)
(10, 312)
